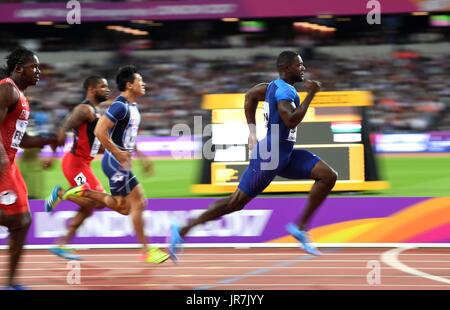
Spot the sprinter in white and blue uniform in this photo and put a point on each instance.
(126, 118)
(275, 154)
(117, 130)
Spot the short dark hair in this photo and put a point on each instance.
(125, 75)
(91, 81)
(18, 56)
(285, 58)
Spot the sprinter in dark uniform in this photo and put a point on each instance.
(275, 154)
(117, 130)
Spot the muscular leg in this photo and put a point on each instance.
(18, 226)
(94, 199)
(219, 208)
(116, 203)
(137, 202)
(325, 179)
(75, 223)
(253, 181)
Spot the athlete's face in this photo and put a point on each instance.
(30, 71)
(138, 85)
(297, 70)
(102, 90)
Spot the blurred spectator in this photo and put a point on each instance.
(411, 94)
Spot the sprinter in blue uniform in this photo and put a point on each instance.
(275, 154)
(117, 131)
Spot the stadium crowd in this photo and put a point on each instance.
(412, 92)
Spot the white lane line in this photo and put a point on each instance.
(231, 254)
(251, 285)
(391, 258)
(228, 261)
(361, 276)
(211, 268)
(346, 245)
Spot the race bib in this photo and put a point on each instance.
(8, 197)
(80, 178)
(21, 127)
(130, 137)
(293, 132)
(95, 147)
(292, 135)
(266, 113)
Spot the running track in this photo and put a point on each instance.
(242, 269)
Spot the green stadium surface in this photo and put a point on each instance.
(408, 176)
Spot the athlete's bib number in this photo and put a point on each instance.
(95, 147)
(21, 127)
(293, 132)
(8, 197)
(80, 178)
(266, 114)
(292, 135)
(130, 137)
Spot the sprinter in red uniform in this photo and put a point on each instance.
(76, 164)
(22, 70)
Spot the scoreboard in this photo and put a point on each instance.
(334, 128)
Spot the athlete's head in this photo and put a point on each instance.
(22, 65)
(97, 87)
(290, 66)
(128, 79)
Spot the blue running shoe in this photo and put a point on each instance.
(302, 236)
(65, 253)
(53, 200)
(16, 287)
(175, 241)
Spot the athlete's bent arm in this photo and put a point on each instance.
(253, 96)
(101, 131)
(293, 116)
(147, 165)
(8, 97)
(82, 113)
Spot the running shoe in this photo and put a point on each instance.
(303, 237)
(175, 241)
(155, 256)
(65, 253)
(53, 200)
(76, 191)
(16, 287)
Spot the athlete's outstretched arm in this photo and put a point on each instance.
(82, 113)
(8, 97)
(254, 95)
(29, 142)
(293, 116)
(101, 131)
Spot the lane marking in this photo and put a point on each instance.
(257, 274)
(254, 285)
(263, 270)
(231, 261)
(391, 258)
(227, 254)
(214, 267)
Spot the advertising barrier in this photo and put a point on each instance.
(261, 223)
(166, 10)
(437, 141)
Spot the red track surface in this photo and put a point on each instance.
(252, 269)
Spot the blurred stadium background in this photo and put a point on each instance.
(404, 61)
